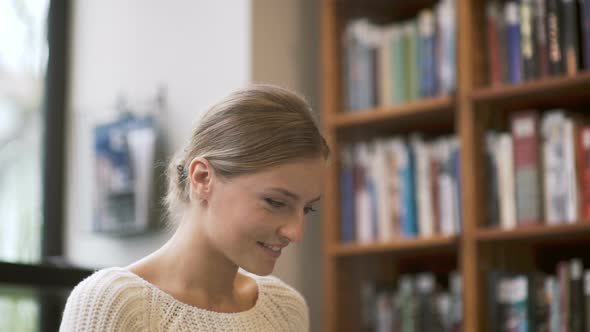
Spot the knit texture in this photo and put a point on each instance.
(115, 299)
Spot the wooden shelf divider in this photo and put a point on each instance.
(396, 246)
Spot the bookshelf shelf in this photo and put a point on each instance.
(397, 245)
(535, 232)
(554, 86)
(416, 110)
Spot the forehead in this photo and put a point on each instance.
(303, 177)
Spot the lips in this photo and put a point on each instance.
(273, 251)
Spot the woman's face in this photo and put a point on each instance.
(249, 213)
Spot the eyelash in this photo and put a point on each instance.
(277, 204)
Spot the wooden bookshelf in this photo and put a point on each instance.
(477, 249)
(396, 246)
(421, 109)
(533, 232)
(559, 86)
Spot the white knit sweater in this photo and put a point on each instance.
(115, 299)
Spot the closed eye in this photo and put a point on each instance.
(274, 204)
(308, 209)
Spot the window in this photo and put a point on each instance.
(23, 64)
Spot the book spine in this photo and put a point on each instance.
(571, 48)
(524, 127)
(564, 296)
(412, 60)
(513, 45)
(552, 286)
(553, 167)
(381, 185)
(541, 49)
(527, 30)
(427, 53)
(584, 170)
(493, 35)
(506, 175)
(446, 20)
(409, 196)
(384, 72)
(571, 184)
(456, 162)
(554, 37)
(398, 59)
(492, 180)
(576, 296)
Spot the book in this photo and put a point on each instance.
(505, 164)
(583, 152)
(577, 301)
(571, 46)
(494, 32)
(554, 37)
(540, 37)
(527, 32)
(513, 42)
(527, 166)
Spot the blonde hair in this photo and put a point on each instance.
(248, 131)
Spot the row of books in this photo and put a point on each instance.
(540, 170)
(530, 39)
(400, 62)
(416, 303)
(400, 187)
(540, 302)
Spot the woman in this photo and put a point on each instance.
(238, 194)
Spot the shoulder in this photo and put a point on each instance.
(105, 300)
(287, 300)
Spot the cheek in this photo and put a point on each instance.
(242, 222)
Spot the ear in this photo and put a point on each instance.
(200, 176)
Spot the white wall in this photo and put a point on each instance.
(199, 49)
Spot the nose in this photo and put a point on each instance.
(293, 230)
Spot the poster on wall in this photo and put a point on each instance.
(124, 152)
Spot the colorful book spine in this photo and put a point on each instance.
(427, 53)
(513, 38)
(408, 207)
(527, 31)
(541, 50)
(446, 20)
(411, 35)
(524, 128)
(554, 36)
(494, 30)
(398, 67)
(584, 171)
(577, 321)
(571, 47)
(504, 159)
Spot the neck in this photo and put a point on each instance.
(189, 264)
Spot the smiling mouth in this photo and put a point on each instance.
(273, 251)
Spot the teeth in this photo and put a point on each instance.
(271, 247)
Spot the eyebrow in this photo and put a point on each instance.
(293, 195)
